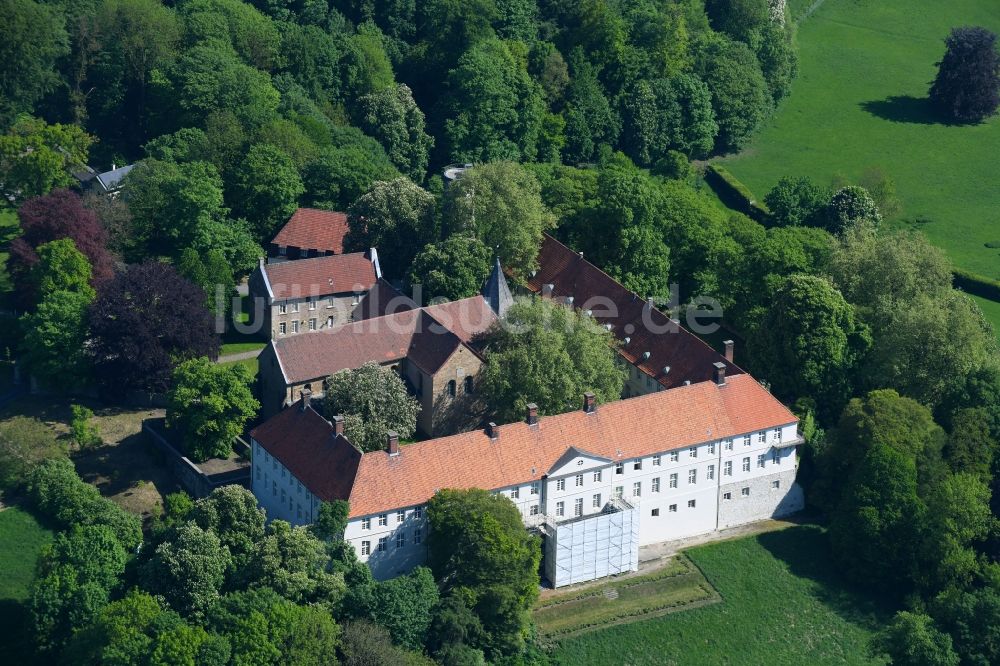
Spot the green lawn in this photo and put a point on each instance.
(21, 540)
(860, 101)
(240, 347)
(251, 363)
(783, 605)
(8, 229)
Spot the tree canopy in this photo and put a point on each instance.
(373, 400)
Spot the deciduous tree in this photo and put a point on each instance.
(373, 400)
(451, 269)
(36, 157)
(187, 570)
(967, 86)
(913, 640)
(393, 117)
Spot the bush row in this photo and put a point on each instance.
(735, 194)
(979, 285)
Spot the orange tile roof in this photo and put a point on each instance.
(466, 318)
(314, 229)
(653, 423)
(688, 357)
(320, 276)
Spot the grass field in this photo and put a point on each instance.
(860, 101)
(252, 364)
(240, 347)
(8, 228)
(783, 605)
(675, 586)
(21, 541)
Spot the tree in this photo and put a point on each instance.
(810, 342)
(451, 269)
(478, 547)
(331, 520)
(367, 68)
(144, 322)
(209, 406)
(494, 109)
(32, 39)
(967, 86)
(373, 400)
(56, 216)
(500, 203)
(971, 448)
(367, 644)
(739, 92)
(292, 562)
(397, 217)
(188, 570)
(958, 516)
(213, 274)
(548, 354)
(972, 619)
(340, 175)
(796, 201)
(393, 117)
(266, 189)
(403, 605)
(36, 157)
(24, 444)
(121, 633)
(849, 207)
(115, 217)
(913, 640)
(232, 514)
(590, 119)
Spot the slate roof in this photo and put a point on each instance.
(495, 290)
(631, 428)
(320, 276)
(314, 229)
(110, 180)
(668, 345)
(382, 299)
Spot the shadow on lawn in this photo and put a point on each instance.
(806, 551)
(905, 109)
(15, 639)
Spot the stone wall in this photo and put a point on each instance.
(764, 500)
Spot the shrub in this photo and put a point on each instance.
(24, 444)
(978, 285)
(85, 433)
(734, 193)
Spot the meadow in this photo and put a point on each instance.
(21, 541)
(860, 101)
(782, 604)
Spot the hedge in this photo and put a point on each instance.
(735, 194)
(978, 285)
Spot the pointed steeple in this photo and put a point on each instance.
(495, 290)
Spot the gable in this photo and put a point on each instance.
(575, 460)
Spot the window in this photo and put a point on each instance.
(656, 460)
(515, 493)
(295, 307)
(637, 464)
(560, 508)
(282, 328)
(746, 440)
(775, 484)
(295, 327)
(746, 464)
(451, 388)
(637, 489)
(383, 542)
(727, 496)
(416, 537)
(578, 507)
(329, 322)
(761, 437)
(579, 480)
(777, 434)
(672, 508)
(282, 472)
(366, 547)
(596, 503)
(674, 456)
(745, 492)
(597, 476)
(775, 457)
(534, 488)
(654, 512)
(400, 540)
(533, 510)
(469, 384)
(673, 480)
(312, 324)
(710, 472)
(400, 516)
(656, 485)
(418, 513)
(366, 523)
(729, 445)
(312, 303)
(267, 457)
(620, 468)
(298, 512)
(711, 449)
(691, 504)
(282, 308)
(619, 491)
(693, 452)
(299, 489)
(561, 484)
(727, 468)
(274, 488)
(356, 299)
(383, 520)
(258, 472)
(692, 476)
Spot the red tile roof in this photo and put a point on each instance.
(304, 442)
(382, 299)
(466, 318)
(630, 428)
(320, 276)
(687, 356)
(314, 229)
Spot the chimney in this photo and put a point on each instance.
(547, 290)
(306, 398)
(728, 345)
(589, 402)
(338, 425)
(720, 373)
(493, 430)
(392, 443)
(532, 414)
